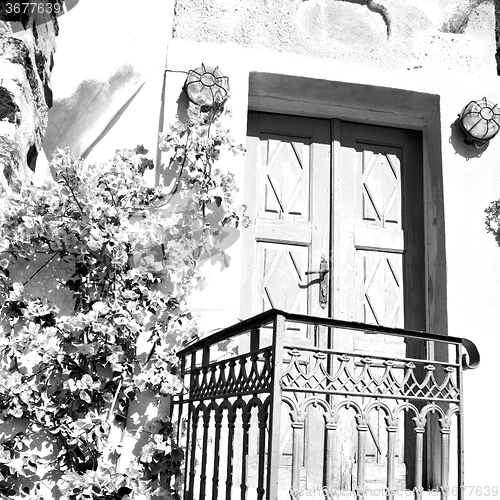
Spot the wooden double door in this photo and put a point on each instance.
(342, 196)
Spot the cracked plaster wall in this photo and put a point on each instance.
(27, 44)
(383, 33)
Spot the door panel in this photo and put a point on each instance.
(285, 176)
(381, 277)
(379, 237)
(378, 203)
(283, 267)
(288, 161)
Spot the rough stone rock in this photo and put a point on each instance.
(497, 33)
(27, 44)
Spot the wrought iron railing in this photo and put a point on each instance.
(284, 405)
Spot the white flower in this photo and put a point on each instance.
(100, 308)
(96, 239)
(17, 291)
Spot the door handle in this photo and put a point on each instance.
(323, 282)
(318, 271)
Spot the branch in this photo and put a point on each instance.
(72, 192)
(44, 265)
(181, 171)
(115, 398)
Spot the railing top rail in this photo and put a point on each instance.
(470, 361)
(398, 359)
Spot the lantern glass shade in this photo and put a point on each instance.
(480, 121)
(206, 86)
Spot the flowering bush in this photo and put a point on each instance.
(125, 255)
(493, 219)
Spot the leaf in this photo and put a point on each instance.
(25, 396)
(7, 488)
(158, 467)
(177, 454)
(85, 396)
(73, 285)
(16, 465)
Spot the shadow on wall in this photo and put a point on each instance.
(226, 236)
(84, 118)
(457, 141)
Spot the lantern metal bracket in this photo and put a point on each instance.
(207, 87)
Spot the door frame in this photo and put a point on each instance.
(300, 96)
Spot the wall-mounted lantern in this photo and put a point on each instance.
(207, 87)
(480, 122)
